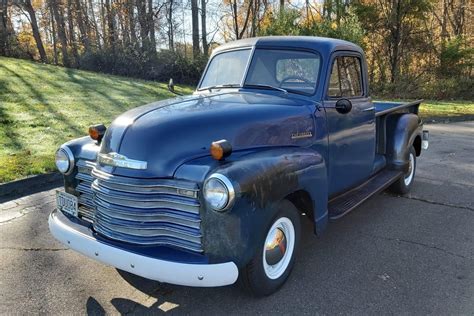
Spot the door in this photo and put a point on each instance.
(351, 134)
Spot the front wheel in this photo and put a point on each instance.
(404, 184)
(273, 261)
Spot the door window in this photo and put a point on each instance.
(346, 78)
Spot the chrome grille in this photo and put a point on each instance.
(84, 187)
(147, 211)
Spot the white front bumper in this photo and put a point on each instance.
(80, 239)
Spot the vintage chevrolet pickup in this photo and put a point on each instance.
(208, 189)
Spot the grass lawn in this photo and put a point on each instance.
(42, 106)
(446, 111)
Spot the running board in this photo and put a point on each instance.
(343, 204)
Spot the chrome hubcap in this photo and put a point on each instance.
(278, 248)
(411, 169)
(275, 246)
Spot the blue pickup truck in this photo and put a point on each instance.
(208, 189)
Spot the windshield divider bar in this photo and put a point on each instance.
(247, 67)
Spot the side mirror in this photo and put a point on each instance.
(343, 106)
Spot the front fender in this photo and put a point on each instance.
(402, 129)
(83, 148)
(262, 179)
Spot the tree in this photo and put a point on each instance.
(28, 7)
(72, 35)
(205, 46)
(240, 16)
(82, 23)
(195, 27)
(170, 22)
(58, 13)
(3, 27)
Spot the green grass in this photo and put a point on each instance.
(42, 106)
(446, 111)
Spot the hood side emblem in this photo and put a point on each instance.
(117, 160)
(299, 135)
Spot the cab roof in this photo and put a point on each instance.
(323, 45)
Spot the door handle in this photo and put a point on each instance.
(372, 108)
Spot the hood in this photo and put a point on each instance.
(166, 134)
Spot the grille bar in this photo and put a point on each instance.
(85, 198)
(147, 211)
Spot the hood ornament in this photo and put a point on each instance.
(118, 160)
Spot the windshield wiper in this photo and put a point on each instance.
(221, 86)
(264, 86)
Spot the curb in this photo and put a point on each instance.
(19, 188)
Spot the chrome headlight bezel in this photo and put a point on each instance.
(229, 190)
(70, 160)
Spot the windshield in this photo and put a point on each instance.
(226, 69)
(291, 70)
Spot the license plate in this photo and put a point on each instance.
(66, 203)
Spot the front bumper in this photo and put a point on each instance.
(81, 239)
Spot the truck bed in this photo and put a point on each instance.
(382, 109)
(386, 107)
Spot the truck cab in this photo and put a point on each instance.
(208, 189)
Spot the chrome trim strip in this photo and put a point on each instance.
(118, 160)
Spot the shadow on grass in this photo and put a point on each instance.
(7, 122)
(38, 96)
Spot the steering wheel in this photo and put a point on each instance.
(294, 78)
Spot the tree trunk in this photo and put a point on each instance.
(205, 46)
(131, 21)
(34, 27)
(94, 25)
(151, 26)
(59, 17)
(3, 27)
(395, 37)
(72, 35)
(82, 25)
(110, 17)
(195, 28)
(53, 34)
(235, 17)
(169, 17)
(143, 21)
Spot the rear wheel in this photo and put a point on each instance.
(404, 184)
(274, 259)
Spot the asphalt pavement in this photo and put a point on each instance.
(393, 255)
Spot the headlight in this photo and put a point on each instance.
(64, 160)
(219, 192)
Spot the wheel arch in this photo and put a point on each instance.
(403, 131)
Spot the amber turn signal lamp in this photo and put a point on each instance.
(96, 132)
(220, 149)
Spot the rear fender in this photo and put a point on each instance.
(402, 130)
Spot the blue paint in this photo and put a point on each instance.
(270, 159)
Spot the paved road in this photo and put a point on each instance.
(393, 255)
